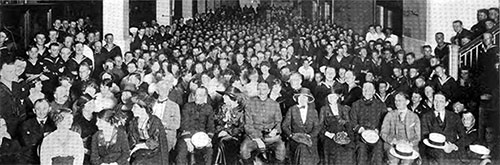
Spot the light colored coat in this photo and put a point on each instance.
(170, 116)
(411, 123)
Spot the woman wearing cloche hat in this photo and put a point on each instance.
(302, 126)
(336, 134)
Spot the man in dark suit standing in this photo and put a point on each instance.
(35, 129)
(446, 123)
(461, 32)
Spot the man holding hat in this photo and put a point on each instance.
(446, 123)
(401, 126)
(366, 115)
(262, 115)
(196, 116)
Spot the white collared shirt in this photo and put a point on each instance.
(335, 109)
(303, 114)
(41, 121)
(158, 109)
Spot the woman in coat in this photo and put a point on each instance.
(337, 134)
(110, 143)
(229, 121)
(147, 136)
(302, 126)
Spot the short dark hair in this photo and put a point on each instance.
(485, 11)
(426, 46)
(112, 117)
(458, 21)
(405, 96)
(53, 44)
(494, 9)
(108, 34)
(7, 59)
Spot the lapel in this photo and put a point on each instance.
(36, 128)
(447, 119)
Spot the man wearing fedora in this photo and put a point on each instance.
(446, 123)
(366, 115)
(401, 126)
(263, 125)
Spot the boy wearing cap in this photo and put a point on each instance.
(400, 126)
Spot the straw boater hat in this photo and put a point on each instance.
(404, 151)
(306, 92)
(200, 140)
(435, 140)
(370, 136)
(479, 149)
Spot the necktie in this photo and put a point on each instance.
(440, 122)
(42, 123)
(401, 117)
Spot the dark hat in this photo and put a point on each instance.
(306, 92)
(144, 100)
(265, 63)
(231, 91)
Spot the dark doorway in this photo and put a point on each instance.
(390, 14)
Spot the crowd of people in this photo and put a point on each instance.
(239, 86)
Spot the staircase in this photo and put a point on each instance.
(468, 57)
(468, 54)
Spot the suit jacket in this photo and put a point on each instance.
(411, 124)
(293, 122)
(171, 118)
(197, 118)
(10, 110)
(32, 131)
(453, 128)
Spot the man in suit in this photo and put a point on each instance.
(367, 114)
(400, 126)
(35, 129)
(444, 122)
(461, 32)
(197, 116)
(167, 110)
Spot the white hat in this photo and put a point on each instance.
(435, 140)
(133, 29)
(479, 149)
(200, 140)
(370, 136)
(404, 151)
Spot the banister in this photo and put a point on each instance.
(477, 41)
